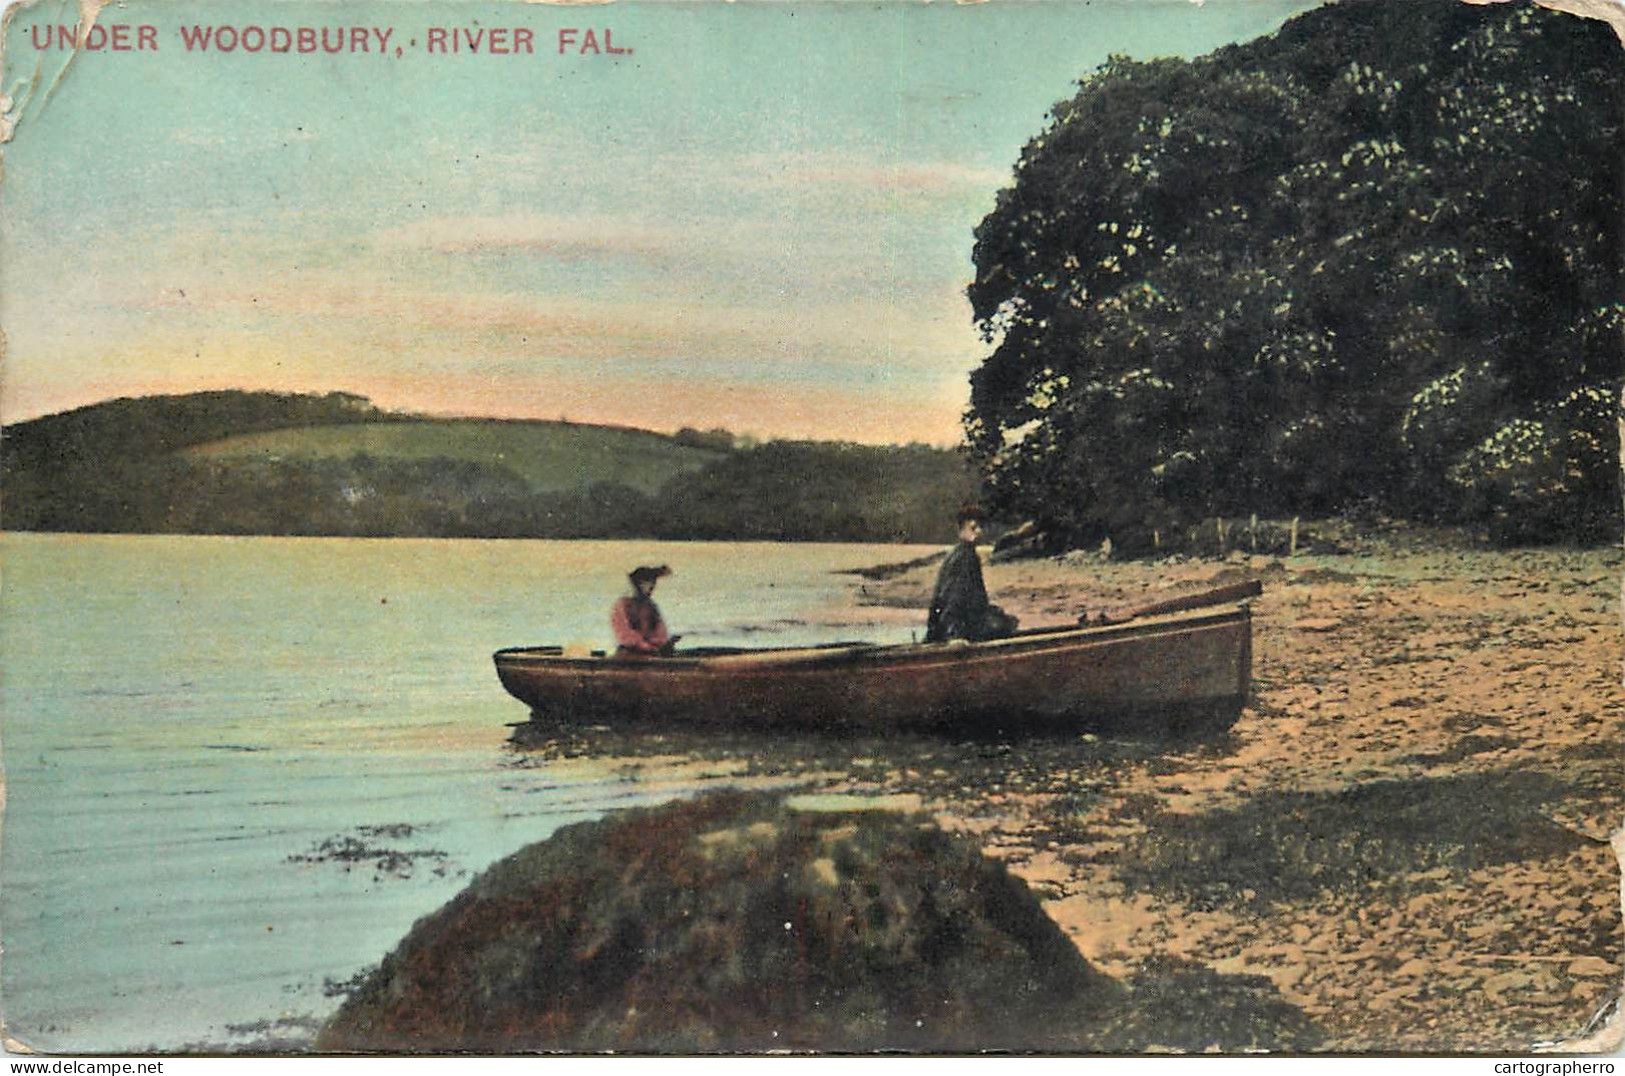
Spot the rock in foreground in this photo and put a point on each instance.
(732, 923)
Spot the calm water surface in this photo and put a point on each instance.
(185, 722)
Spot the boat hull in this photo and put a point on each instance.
(1181, 668)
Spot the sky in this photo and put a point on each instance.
(753, 215)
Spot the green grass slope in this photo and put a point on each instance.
(548, 456)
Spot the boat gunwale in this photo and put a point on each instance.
(543, 660)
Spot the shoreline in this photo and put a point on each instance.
(1391, 685)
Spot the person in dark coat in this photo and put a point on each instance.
(959, 605)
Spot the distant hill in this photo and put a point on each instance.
(268, 463)
(128, 427)
(548, 456)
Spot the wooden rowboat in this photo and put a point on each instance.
(1171, 668)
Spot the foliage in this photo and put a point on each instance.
(718, 438)
(814, 491)
(1376, 256)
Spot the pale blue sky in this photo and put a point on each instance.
(760, 217)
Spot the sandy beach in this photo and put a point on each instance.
(1485, 685)
(1402, 845)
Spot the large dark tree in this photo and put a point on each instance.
(1372, 259)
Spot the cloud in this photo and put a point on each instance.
(915, 411)
(186, 136)
(574, 237)
(438, 320)
(923, 178)
(195, 138)
(744, 259)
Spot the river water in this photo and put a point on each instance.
(207, 741)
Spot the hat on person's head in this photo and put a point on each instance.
(647, 574)
(969, 512)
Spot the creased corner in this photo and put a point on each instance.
(1605, 1033)
(1610, 11)
(28, 94)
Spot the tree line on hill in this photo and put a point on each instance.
(117, 467)
(1370, 263)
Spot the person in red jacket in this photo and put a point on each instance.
(639, 630)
